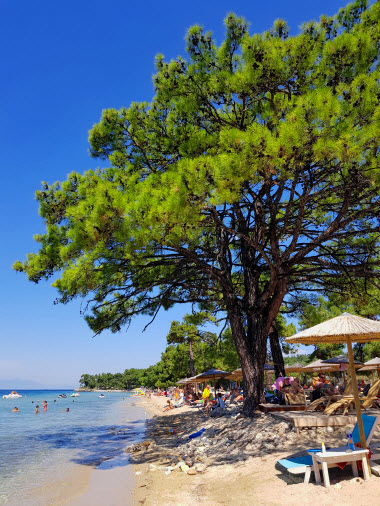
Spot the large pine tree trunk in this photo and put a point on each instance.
(191, 356)
(276, 352)
(251, 346)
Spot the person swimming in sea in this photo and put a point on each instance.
(14, 410)
(37, 410)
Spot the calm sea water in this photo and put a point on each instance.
(36, 448)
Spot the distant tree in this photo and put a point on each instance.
(87, 381)
(250, 177)
(188, 332)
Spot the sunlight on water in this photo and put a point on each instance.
(36, 448)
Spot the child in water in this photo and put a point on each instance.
(37, 410)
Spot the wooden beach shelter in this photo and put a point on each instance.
(347, 329)
(213, 374)
(372, 365)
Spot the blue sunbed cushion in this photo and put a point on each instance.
(368, 422)
(296, 462)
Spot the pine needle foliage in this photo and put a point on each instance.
(252, 175)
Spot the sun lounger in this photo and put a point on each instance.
(304, 465)
(324, 401)
(346, 402)
(297, 466)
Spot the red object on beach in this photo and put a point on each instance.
(172, 432)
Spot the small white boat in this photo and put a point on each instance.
(75, 395)
(12, 395)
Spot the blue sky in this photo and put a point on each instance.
(62, 63)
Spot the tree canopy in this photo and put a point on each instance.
(251, 177)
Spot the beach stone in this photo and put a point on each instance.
(259, 436)
(185, 468)
(330, 429)
(200, 468)
(191, 471)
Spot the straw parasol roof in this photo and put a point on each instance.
(338, 329)
(212, 374)
(371, 365)
(319, 365)
(294, 368)
(343, 329)
(342, 359)
(182, 381)
(237, 374)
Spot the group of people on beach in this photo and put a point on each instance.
(288, 390)
(178, 397)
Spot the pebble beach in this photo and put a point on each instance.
(234, 461)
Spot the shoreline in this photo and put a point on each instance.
(234, 461)
(110, 482)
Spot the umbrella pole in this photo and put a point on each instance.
(356, 397)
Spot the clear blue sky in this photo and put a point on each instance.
(62, 63)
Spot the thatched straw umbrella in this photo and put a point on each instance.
(212, 374)
(345, 328)
(318, 365)
(297, 367)
(237, 374)
(183, 381)
(342, 361)
(372, 365)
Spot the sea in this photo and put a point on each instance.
(36, 449)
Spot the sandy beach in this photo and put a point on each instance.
(233, 461)
(236, 462)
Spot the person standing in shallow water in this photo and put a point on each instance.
(37, 410)
(44, 404)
